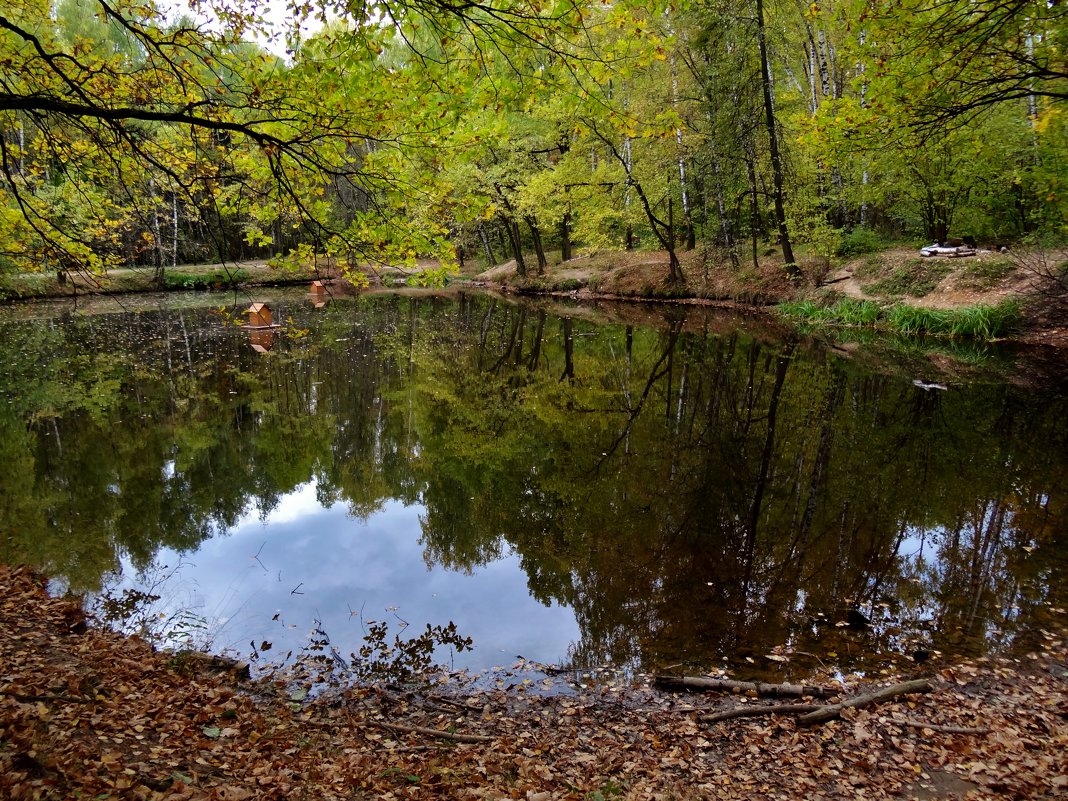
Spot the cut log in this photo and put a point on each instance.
(703, 683)
(831, 711)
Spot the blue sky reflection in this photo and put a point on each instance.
(307, 563)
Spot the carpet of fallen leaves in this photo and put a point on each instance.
(86, 713)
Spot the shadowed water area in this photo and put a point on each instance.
(640, 487)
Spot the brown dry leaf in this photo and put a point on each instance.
(860, 732)
(143, 735)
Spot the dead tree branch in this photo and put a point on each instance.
(820, 713)
(730, 686)
(756, 710)
(831, 711)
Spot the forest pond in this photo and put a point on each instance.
(641, 487)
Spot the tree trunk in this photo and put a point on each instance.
(773, 145)
(535, 348)
(661, 230)
(539, 249)
(505, 239)
(627, 160)
(569, 351)
(517, 246)
(691, 234)
(754, 225)
(721, 209)
(490, 261)
(157, 233)
(703, 683)
(782, 364)
(565, 238)
(174, 229)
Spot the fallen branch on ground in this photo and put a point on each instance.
(831, 711)
(755, 710)
(729, 685)
(819, 713)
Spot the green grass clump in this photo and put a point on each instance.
(857, 312)
(845, 312)
(984, 321)
(916, 278)
(975, 322)
(799, 308)
(907, 319)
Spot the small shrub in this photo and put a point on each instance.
(403, 660)
(858, 242)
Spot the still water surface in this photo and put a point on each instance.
(614, 485)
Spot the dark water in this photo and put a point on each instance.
(635, 487)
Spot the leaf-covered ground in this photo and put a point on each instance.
(85, 713)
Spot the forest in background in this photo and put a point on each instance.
(379, 132)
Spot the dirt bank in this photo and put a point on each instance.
(87, 713)
(1037, 279)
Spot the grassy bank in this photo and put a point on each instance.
(981, 321)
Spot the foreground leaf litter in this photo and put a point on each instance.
(87, 713)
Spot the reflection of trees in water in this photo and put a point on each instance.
(727, 491)
(690, 493)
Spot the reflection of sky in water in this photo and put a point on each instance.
(309, 563)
